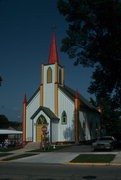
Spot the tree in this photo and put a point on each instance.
(110, 118)
(4, 123)
(94, 40)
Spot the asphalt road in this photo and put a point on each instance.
(33, 171)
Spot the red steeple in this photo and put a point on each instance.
(53, 56)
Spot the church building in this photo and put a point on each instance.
(58, 110)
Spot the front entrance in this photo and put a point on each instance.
(39, 124)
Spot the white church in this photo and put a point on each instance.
(65, 114)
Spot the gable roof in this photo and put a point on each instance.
(47, 111)
(71, 94)
(35, 93)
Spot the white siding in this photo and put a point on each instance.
(66, 132)
(90, 119)
(30, 110)
(49, 88)
(54, 131)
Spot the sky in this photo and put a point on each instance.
(25, 37)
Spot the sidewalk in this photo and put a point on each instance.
(61, 156)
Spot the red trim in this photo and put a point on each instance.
(56, 82)
(27, 141)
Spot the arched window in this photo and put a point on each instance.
(49, 75)
(64, 118)
(41, 120)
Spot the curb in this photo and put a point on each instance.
(95, 164)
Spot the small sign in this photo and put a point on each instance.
(44, 128)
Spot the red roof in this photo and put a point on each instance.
(53, 56)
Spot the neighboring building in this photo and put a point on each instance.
(67, 115)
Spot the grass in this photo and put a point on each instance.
(4, 154)
(9, 149)
(18, 157)
(51, 149)
(94, 158)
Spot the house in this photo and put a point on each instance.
(56, 110)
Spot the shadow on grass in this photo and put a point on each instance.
(18, 157)
(94, 158)
(5, 154)
(51, 148)
(9, 149)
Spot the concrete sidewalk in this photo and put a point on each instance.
(49, 157)
(61, 156)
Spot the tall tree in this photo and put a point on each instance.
(94, 39)
(4, 123)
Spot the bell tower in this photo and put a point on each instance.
(52, 75)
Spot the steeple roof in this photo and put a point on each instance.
(53, 56)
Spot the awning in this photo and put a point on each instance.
(6, 131)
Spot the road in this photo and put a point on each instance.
(37, 171)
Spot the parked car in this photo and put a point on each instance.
(104, 143)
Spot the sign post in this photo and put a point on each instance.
(44, 130)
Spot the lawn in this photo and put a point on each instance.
(9, 149)
(18, 157)
(51, 148)
(4, 154)
(94, 158)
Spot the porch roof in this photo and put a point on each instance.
(47, 111)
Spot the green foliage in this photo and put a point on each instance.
(4, 123)
(94, 39)
(110, 117)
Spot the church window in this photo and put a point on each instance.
(49, 75)
(41, 120)
(64, 118)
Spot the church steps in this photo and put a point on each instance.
(32, 145)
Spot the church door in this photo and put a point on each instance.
(40, 122)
